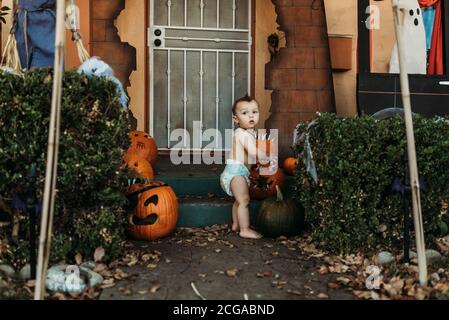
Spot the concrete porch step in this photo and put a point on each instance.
(201, 212)
(208, 185)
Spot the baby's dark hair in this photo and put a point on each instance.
(246, 98)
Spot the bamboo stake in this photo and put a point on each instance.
(413, 167)
(52, 155)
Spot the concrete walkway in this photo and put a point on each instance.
(223, 266)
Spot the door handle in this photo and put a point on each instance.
(444, 83)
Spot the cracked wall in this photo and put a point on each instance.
(300, 76)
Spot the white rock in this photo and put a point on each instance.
(25, 272)
(432, 254)
(89, 265)
(7, 270)
(384, 257)
(61, 279)
(411, 254)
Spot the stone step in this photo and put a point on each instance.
(208, 185)
(195, 212)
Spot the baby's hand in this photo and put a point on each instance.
(271, 168)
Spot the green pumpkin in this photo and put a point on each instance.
(278, 217)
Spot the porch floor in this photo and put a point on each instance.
(223, 266)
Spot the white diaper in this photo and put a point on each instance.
(233, 169)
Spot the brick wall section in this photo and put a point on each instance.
(300, 76)
(105, 42)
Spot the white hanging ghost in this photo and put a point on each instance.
(414, 36)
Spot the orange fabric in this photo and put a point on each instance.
(436, 49)
(427, 3)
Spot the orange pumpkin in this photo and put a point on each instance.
(290, 165)
(143, 145)
(155, 211)
(141, 167)
(262, 186)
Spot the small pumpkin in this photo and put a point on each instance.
(290, 165)
(143, 145)
(264, 186)
(154, 211)
(141, 167)
(264, 146)
(279, 217)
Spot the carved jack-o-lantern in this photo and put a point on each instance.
(143, 145)
(141, 167)
(155, 210)
(262, 186)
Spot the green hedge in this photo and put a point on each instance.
(94, 130)
(353, 207)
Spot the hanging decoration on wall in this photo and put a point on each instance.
(97, 67)
(435, 61)
(414, 38)
(35, 33)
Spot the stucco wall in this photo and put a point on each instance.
(134, 34)
(265, 25)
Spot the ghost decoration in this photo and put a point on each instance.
(97, 67)
(414, 36)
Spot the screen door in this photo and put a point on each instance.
(199, 65)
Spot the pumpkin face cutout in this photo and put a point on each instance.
(263, 187)
(141, 167)
(155, 213)
(290, 165)
(143, 145)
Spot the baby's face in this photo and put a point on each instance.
(247, 114)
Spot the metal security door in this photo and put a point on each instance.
(199, 64)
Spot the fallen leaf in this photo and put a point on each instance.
(78, 258)
(333, 285)
(232, 272)
(99, 254)
(59, 296)
(155, 288)
(294, 292)
(266, 274)
(323, 296)
(108, 283)
(323, 270)
(100, 267)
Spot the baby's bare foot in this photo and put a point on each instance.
(250, 234)
(235, 227)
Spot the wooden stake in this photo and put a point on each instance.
(413, 167)
(52, 156)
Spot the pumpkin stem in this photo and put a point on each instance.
(280, 196)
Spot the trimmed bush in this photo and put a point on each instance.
(353, 207)
(89, 204)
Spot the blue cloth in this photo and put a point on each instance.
(233, 169)
(429, 19)
(40, 34)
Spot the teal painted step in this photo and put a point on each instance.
(197, 213)
(203, 186)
